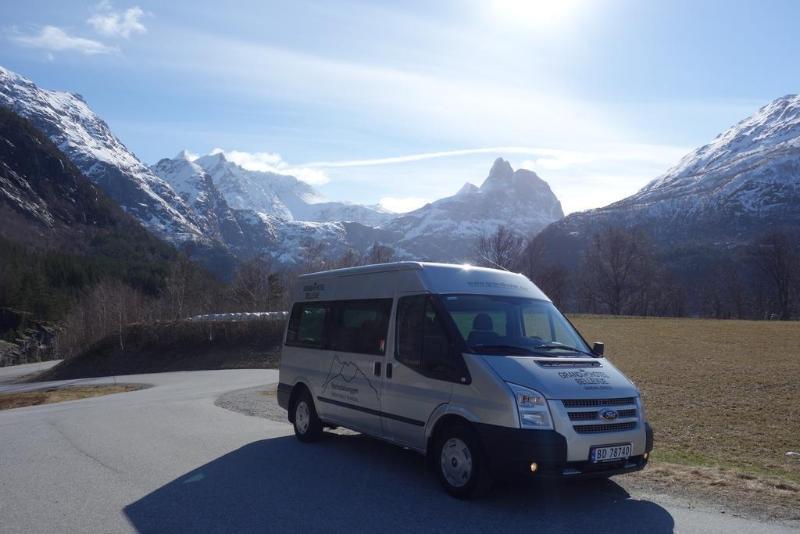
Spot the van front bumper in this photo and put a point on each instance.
(512, 450)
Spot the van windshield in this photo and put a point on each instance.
(491, 324)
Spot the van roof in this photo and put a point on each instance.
(364, 269)
(408, 276)
(399, 266)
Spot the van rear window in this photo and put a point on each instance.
(359, 326)
(307, 325)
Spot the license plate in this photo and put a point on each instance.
(610, 453)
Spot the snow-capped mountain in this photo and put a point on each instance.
(271, 230)
(40, 191)
(197, 190)
(746, 181)
(281, 195)
(46, 203)
(89, 143)
(448, 228)
(221, 210)
(297, 242)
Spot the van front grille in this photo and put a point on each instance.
(611, 427)
(590, 416)
(591, 403)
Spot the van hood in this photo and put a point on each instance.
(564, 378)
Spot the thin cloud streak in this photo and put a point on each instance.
(548, 157)
(54, 39)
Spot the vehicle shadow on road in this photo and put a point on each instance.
(353, 483)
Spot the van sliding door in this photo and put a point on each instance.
(351, 391)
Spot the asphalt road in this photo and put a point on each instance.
(13, 372)
(166, 459)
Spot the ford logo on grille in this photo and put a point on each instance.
(609, 415)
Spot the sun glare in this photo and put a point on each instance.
(541, 14)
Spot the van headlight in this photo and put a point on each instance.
(640, 406)
(532, 408)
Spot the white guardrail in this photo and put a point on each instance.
(232, 317)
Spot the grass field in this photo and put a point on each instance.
(716, 392)
(719, 394)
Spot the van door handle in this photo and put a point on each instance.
(388, 370)
(377, 369)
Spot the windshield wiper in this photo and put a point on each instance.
(562, 346)
(501, 347)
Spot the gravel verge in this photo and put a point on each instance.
(260, 401)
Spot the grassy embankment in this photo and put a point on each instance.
(176, 346)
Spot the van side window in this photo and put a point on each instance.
(422, 341)
(307, 325)
(410, 322)
(435, 344)
(361, 326)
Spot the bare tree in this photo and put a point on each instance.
(616, 272)
(378, 253)
(777, 256)
(107, 309)
(256, 287)
(666, 294)
(502, 249)
(723, 292)
(350, 258)
(313, 256)
(554, 280)
(177, 288)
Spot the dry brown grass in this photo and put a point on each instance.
(61, 394)
(719, 394)
(764, 496)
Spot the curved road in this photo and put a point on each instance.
(166, 459)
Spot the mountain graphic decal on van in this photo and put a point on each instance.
(348, 372)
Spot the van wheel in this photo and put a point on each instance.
(307, 425)
(461, 462)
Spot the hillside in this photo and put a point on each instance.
(718, 197)
(89, 144)
(60, 232)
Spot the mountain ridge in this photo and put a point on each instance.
(221, 212)
(90, 144)
(721, 195)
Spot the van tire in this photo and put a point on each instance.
(461, 463)
(307, 425)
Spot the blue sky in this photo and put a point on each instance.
(403, 102)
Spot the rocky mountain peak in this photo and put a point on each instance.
(184, 155)
(499, 175)
(467, 188)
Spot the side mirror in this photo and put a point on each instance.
(599, 348)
